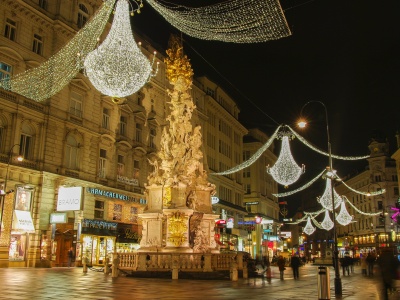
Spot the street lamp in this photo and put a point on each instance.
(4, 190)
(332, 176)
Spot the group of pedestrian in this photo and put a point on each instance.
(347, 263)
(295, 264)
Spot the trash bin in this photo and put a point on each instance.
(324, 290)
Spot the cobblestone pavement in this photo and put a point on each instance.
(72, 283)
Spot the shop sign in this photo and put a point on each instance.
(23, 221)
(127, 234)
(214, 200)
(58, 218)
(69, 198)
(114, 195)
(98, 227)
(128, 181)
(229, 224)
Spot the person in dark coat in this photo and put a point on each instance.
(345, 262)
(295, 263)
(371, 257)
(281, 265)
(388, 265)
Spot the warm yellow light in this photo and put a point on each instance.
(20, 158)
(302, 124)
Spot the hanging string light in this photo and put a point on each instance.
(326, 198)
(303, 187)
(252, 159)
(327, 223)
(305, 142)
(285, 171)
(118, 68)
(343, 217)
(236, 21)
(309, 229)
(358, 210)
(49, 78)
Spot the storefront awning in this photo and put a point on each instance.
(23, 221)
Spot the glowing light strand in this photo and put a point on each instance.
(285, 170)
(300, 188)
(305, 142)
(343, 217)
(118, 68)
(236, 21)
(382, 191)
(252, 159)
(50, 77)
(360, 211)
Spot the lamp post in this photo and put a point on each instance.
(3, 194)
(331, 175)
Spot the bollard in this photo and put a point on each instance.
(106, 267)
(245, 271)
(115, 265)
(234, 271)
(175, 270)
(84, 263)
(324, 291)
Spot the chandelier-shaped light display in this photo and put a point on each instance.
(309, 229)
(326, 198)
(343, 217)
(236, 21)
(118, 68)
(50, 77)
(285, 171)
(327, 223)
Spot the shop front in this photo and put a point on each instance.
(128, 237)
(96, 241)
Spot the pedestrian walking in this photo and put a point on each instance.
(388, 265)
(371, 257)
(345, 262)
(71, 256)
(295, 264)
(363, 261)
(281, 265)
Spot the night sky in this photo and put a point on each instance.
(345, 53)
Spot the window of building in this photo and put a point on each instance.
(37, 45)
(10, 30)
(26, 143)
(121, 165)
(136, 169)
(138, 133)
(43, 4)
(5, 71)
(106, 118)
(102, 163)
(122, 125)
(83, 15)
(76, 105)
(152, 138)
(99, 209)
(117, 212)
(134, 215)
(71, 154)
(152, 105)
(246, 172)
(247, 188)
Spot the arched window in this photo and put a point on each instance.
(83, 15)
(71, 153)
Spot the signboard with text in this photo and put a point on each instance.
(69, 198)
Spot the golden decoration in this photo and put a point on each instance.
(177, 228)
(167, 198)
(177, 64)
